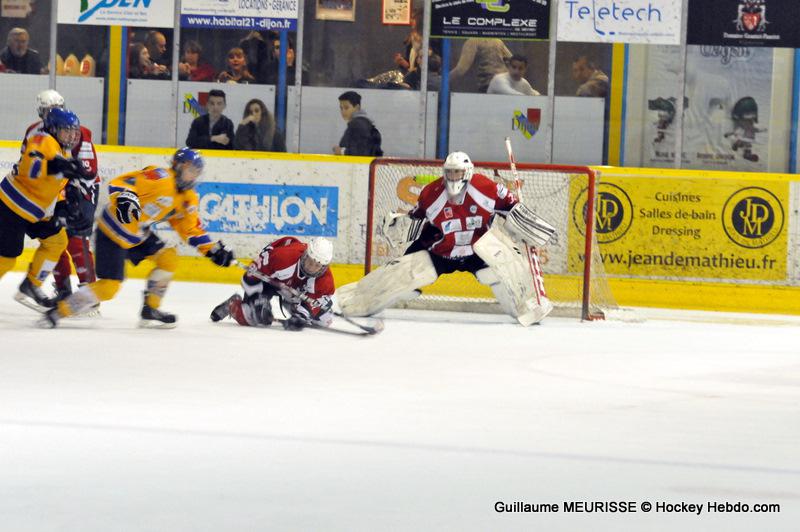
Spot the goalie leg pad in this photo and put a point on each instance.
(381, 288)
(524, 224)
(509, 276)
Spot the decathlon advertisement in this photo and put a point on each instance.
(625, 21)
(261, 15)
(504, 19)
(699, 228)
(141, 13)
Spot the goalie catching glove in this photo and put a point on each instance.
(398, 228)
(524, 224)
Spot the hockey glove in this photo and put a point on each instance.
(295, 323)
(128, 208)
(262, 310)
(78, 217)
(69, 168)
(220, 255)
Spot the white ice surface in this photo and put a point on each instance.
(215, 427)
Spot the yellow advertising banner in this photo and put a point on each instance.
(716, 228)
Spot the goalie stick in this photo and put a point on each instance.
(530, 252)
(367, 330)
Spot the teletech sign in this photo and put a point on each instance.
(504, 19)
(771, 23)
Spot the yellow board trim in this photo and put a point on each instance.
(615, 124)
(115, 55)
(611, 171)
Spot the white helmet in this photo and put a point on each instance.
(459, 167)
(319, 250)
(46, 100)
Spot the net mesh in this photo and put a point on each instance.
(557, 194)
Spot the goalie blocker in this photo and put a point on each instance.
(457, 211)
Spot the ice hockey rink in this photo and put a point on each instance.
(427, 426)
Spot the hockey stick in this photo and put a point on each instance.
(369, 330)
(530, 252)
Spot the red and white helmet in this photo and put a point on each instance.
(457, 172)
(46, 100)
(317, 257)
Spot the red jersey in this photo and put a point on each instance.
(461, 225)
(280, 260)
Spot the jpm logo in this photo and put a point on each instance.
(87, 11)
(527, 124)
(753, 217)
(613, 213)
(269, 209)
(496, 6)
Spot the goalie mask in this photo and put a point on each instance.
(316, 258)
(457, 172)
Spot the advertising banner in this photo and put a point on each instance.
(269, 209)
(625, 21)
(504, 19)
(140, 13)
(727, 105)
(771, 23)
(243, 15)
(699, 228)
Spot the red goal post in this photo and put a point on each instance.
(563, 195)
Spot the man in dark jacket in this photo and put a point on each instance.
(17, 57)
(361, 136)
(213, 130)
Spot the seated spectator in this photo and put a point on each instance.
(193, 67)
(513, 81)
(413, 78)
(259, 58)
(361, 136)
(212, 130)
(17, 57)
(412, 44)
(236, 70)
(272, 78)
(140, 66)
(593, 81)
(156, 45)
(257, 130)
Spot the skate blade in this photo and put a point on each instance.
(154, 324)
(21, 298)
(91, 313)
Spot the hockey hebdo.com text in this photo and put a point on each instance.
(633, 260)
(632, 507)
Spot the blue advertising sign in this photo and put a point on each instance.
(269, 209)
(261, 15)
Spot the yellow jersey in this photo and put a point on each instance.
(160, 200)
(33, 186)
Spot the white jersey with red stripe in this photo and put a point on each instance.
(464, 219)
(280, 260)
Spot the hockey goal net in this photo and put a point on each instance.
(574, 278)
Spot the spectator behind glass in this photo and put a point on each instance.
(413, 78)
(593, 81)
(488, 54)
(139, 64)
(156, 45)
(259, 58)
(193, 67)
(257, 130)
(212, 130)
(513, 82)
(17, 57)
(236, 71)
(361, 136)
(275, 43)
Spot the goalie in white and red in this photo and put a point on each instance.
(285, 263)
(455, 227)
